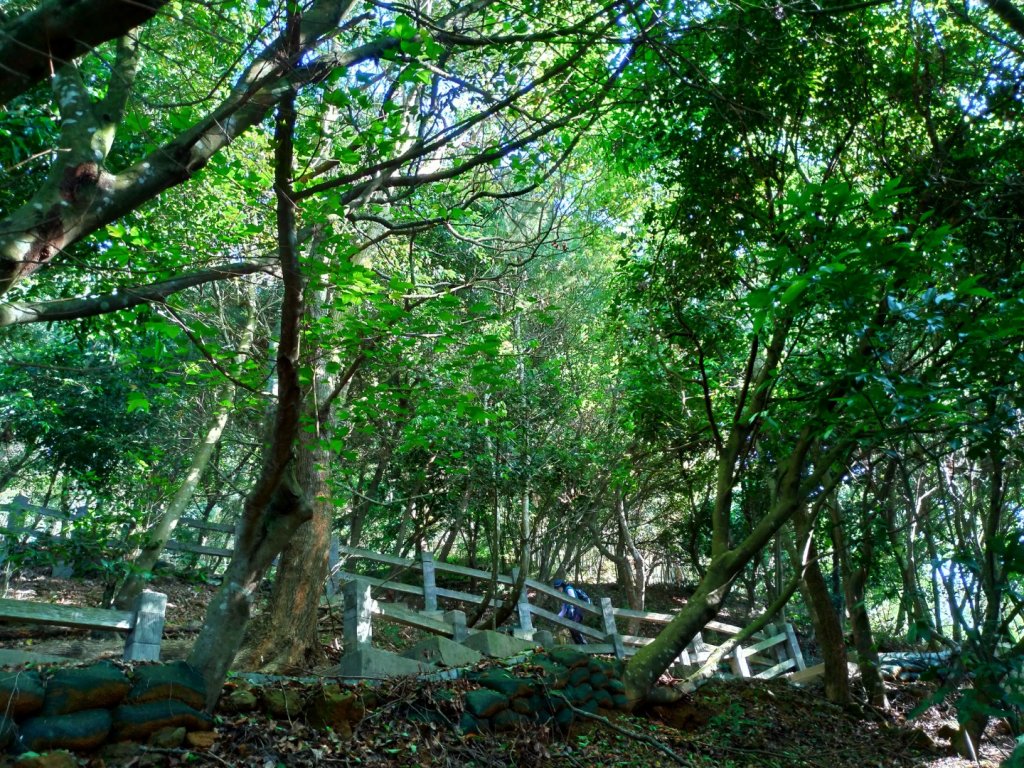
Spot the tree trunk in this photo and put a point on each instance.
(644, 669)
(827, 627)
(285, 639)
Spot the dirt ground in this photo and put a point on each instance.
(729, 723)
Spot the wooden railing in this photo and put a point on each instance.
(767, 654)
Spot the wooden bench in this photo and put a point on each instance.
(144, 623)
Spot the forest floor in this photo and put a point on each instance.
(726, 723)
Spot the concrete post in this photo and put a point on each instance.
(429, 582)
(793, 646)
(143, 643)
(610, 628)
(525, 629)
(458, 621)
(358, 616)
(738, 662)
(333, 557)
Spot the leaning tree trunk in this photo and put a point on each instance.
(276, 506)
(644, 669)
(285, 639)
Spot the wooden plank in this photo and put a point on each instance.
(409, 618)
(377, 557)
(569, 624)
(397, 586)
(558, 594)
(768, 642)
(181, 546)
(204, 526)
(65, 615)
(665, 618)
(475, 573)
(467, 597)
(778, 669)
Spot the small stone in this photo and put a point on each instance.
(333, 707)
(121, 751)
(49, 760)
(603, 699)
(599, 680)
(469, 724)
(98, 686)
(616, 686)
(485, 702)
(522, 705)
(78, 731)
(239, 701)
(167, 738)
(201, 739)
(282, 703)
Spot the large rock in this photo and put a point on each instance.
(21, 694)
(375, 664)
(337, 708)
(238, 701)
(177, 680)
(568, 657)
(79, 731)
(485, 703)
(497, 645)
(442, 651)
(283, 703)
(504, 682)
(98, 686)
(137, 722)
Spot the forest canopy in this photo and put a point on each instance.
(725, 293)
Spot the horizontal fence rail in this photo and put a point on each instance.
(769, 653)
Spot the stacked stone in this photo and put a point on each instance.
(328, 706)
(83, 708)
(562, 680)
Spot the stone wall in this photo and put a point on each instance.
(83, 708)
(548, 689)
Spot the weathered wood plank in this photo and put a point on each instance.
(65, 615)
(408, 618)
(476, 573)
(377, 557)
(567, 623)
(196, 549)
(205, 526)
(397, 586)
(778, 669)
(467, 597)
(768, 642)
(547, 589)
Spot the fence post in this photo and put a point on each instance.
(333, 555)
(358, 616)
(700, 649)
(429, 582)
(143, 643)
(738, 662)
(525, 630)
(610, 629)
(458, 621)
(793, 646)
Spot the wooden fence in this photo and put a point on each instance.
(772, 652)
(768, 654)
